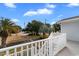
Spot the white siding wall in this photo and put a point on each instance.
(71, 29)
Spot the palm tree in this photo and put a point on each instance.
(5, 26)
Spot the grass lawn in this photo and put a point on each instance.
(17, 39)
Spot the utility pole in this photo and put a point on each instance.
(45, 21)
(44, 27)
(24, 24)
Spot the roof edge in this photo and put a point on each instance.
(68, 18)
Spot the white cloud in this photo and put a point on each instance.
(15, 20)
(10, 5)
(30, 13)
(44, 11)
(73, 4)
(50, 5)
(38, 12)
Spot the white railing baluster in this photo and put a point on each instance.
(50, 47)
(15, 52)
(21, 50)
(39, 48)
(36, 48)
(27, 51)
(32, 50)
(7, 52)
(42, 48)
(47, 48)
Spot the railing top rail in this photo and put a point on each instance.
(23, 44)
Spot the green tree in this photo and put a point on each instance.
(5, 26)
(34, 26)
(56, 27)
(45, 28)
(29, 27)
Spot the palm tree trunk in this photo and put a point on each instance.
(3, 44)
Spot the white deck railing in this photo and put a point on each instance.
(45, 47)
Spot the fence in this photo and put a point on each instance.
(44, 47)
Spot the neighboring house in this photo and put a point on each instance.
(70, 26)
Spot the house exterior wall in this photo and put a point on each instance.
(71, 29)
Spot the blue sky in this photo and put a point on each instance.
(22, 13)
